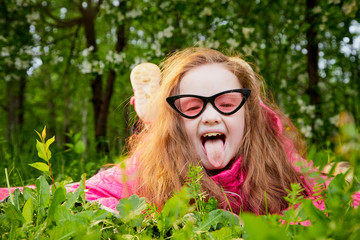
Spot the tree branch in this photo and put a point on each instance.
(60, 22)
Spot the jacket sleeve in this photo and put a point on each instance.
(109, 186)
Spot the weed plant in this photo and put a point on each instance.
(50, 212)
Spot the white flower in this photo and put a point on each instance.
(106, 7)
(302, 78)
(57, 59)
(334, 120)
(168, 32)
(133, 13)
(86, 51)
(85, 67)
(109, 57)
(119, 57)
(247, 50)
(322, 86)
(206, 12)
(215, 44)
(311, 111)
(324, 18)
(322, 27)
(300, 102)
(98, 66)
(157, 48)
(300, 121)
(28, 50)
(209, 44)
(164, 5)
(120, 16)
(2, 38)
(19, 2)
(247, 31)
(349, 7)
(307, 131)
(4, 52)
(21, 64)
(7, 78)
(232, 42)
(318, 123)
(32, 17)
(316, 10)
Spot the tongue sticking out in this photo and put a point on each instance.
(215, 152)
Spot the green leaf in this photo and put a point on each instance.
(217, 219)
(40, 166)
(17, 195)
(82, 186)
(174, 209)
(184, 233)
(28, 210)
(40, 147)
(211, 205)
(69, 145)
(77, 137)
(43, 195)
(38, 134)
(227, 233)
(79, 147)
(314, 214)
(349, 130)
(62, 214)
(321, 159)
(43, 134)
(13, 213)
(131, 208)
(71, 198)
(80, 191)
(49, 142)
(59, 197)
(29, 193)
(257, 227)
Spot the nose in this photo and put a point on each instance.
(210, 115)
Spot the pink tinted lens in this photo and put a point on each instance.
(228, 102)
(189, 106)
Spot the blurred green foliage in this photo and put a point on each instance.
(53, 53)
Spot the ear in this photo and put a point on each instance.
(145, 80)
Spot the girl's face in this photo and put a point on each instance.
(215, 137)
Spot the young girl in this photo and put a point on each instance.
(210, 110)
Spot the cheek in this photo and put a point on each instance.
(237, 127)
(190, 128)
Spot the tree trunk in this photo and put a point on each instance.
(100, 99)
(15, 107)
(312, 55)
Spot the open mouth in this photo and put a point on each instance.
(212, 136)
(213, 144)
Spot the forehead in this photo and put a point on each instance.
(207, 80)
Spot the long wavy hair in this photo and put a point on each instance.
(163, 151)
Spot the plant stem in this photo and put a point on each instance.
(52, 176)
(48, 161)
(227, 200)
(8, 185)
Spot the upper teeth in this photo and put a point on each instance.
(211, 134)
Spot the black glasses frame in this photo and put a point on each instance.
(245, 91)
